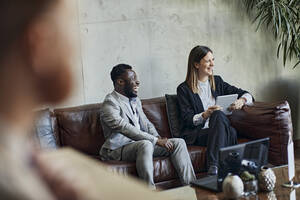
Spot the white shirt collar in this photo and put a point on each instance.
(200, 83)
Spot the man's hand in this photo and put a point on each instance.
(164, 142)
(238, 104)
(210, 110)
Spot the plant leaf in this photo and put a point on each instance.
(296, 64)
(278, 50)
(285, 26)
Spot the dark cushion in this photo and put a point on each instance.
(173, 115)
(44, 131)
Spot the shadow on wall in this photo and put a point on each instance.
(283, 89)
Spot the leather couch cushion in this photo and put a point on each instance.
(80, 128)
(266, 120)
(163, 168)
(197, 155)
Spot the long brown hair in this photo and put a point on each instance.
(196, 54)
(15, 17)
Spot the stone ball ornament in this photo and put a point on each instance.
(233, 186)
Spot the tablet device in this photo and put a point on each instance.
(225, 101)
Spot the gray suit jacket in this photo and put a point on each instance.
(118, 123)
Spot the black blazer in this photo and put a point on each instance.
(191, 104)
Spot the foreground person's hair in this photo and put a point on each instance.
(15, 17)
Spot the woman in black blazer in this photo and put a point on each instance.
(204, 123)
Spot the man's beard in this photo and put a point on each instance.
(129, 91)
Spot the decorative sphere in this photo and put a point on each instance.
(233, 186)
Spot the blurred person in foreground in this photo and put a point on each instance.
(35, 60)
(34, 70)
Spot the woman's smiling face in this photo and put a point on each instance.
(206, 65)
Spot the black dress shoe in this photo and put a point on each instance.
(212, 170)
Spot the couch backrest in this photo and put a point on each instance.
(155, 110)
(80, 127)
(273, 120)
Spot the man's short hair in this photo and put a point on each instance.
(118, 70)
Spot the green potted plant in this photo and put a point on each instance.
(250, 183)
(283, 18)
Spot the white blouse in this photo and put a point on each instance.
(208, 100)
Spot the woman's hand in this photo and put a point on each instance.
(210, 110)
(238, 104)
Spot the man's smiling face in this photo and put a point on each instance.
(131, 83)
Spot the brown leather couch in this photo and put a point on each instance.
(79, 127)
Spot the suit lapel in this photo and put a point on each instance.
(143, 125)
(124, 107)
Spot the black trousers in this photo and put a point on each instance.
(219, 134)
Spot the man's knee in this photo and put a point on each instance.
(178, 142)
(145, 146)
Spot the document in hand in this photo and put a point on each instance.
(225, 101)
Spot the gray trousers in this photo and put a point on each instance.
(143, 152)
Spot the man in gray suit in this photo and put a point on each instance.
(130, 136)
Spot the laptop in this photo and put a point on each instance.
(250, 156)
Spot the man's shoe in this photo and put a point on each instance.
(212, 170)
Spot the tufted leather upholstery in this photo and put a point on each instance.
(79, 127)
(267, 120)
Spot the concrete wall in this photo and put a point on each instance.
(155, 36)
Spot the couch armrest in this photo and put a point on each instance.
(262, 120)
(44, 130)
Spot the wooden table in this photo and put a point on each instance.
(279, 193)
